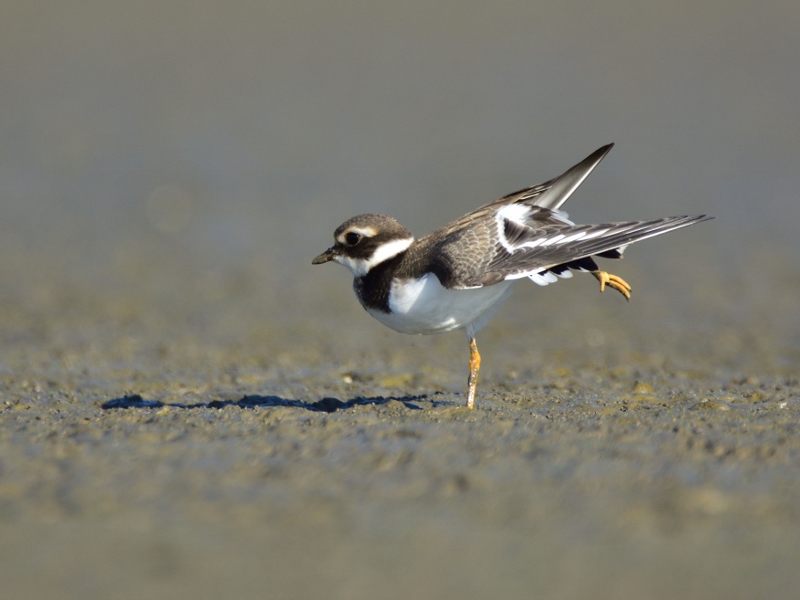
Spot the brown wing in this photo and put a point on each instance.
(524, 234)
(551, 194)
(496, 247)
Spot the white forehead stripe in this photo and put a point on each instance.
(365, 231)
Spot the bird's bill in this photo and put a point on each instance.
(326, 256)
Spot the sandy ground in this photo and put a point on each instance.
(617, 451)
(190, 409)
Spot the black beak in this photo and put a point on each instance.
(326, 256)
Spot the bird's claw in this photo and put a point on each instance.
(613, 281)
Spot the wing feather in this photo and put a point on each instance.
(551, 247)
(551, 194)
(524, 234)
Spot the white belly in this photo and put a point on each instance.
(425, 306)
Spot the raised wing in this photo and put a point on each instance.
(529, 241)
(551, 194)
(554, 193)
(524, 234)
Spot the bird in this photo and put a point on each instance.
(456, 277)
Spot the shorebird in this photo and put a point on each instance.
(456, 277)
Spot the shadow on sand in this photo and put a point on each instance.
(325, 405)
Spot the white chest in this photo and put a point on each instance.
(424, 306)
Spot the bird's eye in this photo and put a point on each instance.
(352, 238)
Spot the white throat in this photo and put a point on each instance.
(360, 267)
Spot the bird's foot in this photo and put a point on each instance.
(613, 281)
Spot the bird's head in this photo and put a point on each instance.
(366, 241)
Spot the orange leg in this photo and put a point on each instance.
(618, 283)
(474, 367)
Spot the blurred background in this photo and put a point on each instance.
(173, 167)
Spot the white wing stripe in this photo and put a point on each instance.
(553, 240)
(514, 212)
(594, 234)
(571, 238)
(532, 244)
